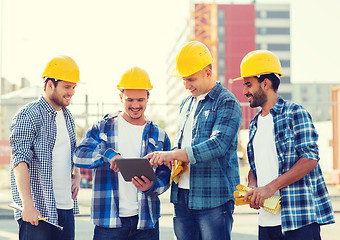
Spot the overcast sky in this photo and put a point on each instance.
(105, 37)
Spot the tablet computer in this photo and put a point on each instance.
(135, 167)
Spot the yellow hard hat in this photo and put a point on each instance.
(193, 57)
(62, 68)
(135, 78)
(259, 62)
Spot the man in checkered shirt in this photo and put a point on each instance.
(125, 209)
(283, 156)
(205, 147)
(43, 180)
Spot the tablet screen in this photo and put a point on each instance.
(135, 167)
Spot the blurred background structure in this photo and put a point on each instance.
(230, 31)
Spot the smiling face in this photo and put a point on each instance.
(134, 105)
(199, 83)
(252, 89)
(60, 95)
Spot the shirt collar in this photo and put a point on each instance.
(214, 92)
(278, 107)
(48, 107)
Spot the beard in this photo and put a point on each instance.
(59, 100)
(259, 98)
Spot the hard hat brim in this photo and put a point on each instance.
(237, 79)
(241, 78)
(175, 73)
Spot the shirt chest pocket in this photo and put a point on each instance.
(155, 145)
(285, 142)
(206, 120)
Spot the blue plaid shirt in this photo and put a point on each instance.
(305, 201)
(32, 139)
(95, 151)
(214, 171)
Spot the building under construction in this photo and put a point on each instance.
(230, 31)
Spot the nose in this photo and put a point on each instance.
(245, 90)
(72, 91)
(186, 84)
(135, 104)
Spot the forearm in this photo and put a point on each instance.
(22, 180)
(301, 168)
(162, 184)
(76, 172)
(92, 157)
(180, 154)
(252, 181)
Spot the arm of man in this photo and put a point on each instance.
(252, 182)
(162, 171)
(223, 132)
(75, 182)
(305, 142)
(23, 132)
(301, 168)
(167, 157)
(22, 178)
(92, 151)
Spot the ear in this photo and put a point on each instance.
(266, 83)
(208, 72)
(49, 85)
(121, 97)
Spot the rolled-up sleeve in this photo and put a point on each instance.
(305, 135)
(92, 151)
(22, 134)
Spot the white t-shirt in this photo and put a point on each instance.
(184, 180)
(267, 165)
(129, 145)
(61, 165)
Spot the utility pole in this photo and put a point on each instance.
(1, 39)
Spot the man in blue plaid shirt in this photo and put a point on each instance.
(120, 209)
(43, 180)
(205, 169)
(283, 156)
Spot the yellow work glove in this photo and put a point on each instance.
(271, 205)
(177, 170)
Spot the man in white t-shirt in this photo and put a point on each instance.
(43, 180)
(283, 156)
(120, 209)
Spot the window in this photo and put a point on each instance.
(278, 47)
(278, 14)
(285, 63)
(273, 31)
(221, 16)
(278, 31)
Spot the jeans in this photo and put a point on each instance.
(44, 230)
(127, 231)
(213, 223)
(309, 232)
